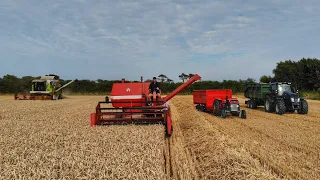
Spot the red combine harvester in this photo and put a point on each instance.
(220, 102)
(131, 104)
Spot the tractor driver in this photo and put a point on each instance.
(154, 87)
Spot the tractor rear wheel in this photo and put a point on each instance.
(280, 107)
(303, 107)
(268, 107)
(216, 105)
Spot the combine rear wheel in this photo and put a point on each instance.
(303, 107)
(280, 107)
(216, 105)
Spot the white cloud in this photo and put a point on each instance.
(100, 39)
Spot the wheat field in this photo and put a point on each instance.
(54, 140)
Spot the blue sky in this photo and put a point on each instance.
(84, 39)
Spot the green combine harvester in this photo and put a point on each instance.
(276, 97)
(47, 87)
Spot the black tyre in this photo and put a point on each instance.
(198, 107)
(243, 114)
(254, 104)
(223, 114)
(217, 110)
(268, 106)
(280, 107)
(303, 107)
(248, 104)
(201, 108)
(235, 113)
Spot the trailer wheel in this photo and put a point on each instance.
(216, 105)
(303, 107)
(250, 104)
(223, 113)
(243, 114)
(254, 104)
(280, 107)
(268, 106)
(202, 109)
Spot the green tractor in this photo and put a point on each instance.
(276, 97)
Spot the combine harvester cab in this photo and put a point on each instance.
(129, 104)
(44, 88)
(276, 97)
(218, 101)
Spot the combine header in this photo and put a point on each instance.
(47, 87)
(131, 104)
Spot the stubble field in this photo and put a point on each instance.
(54, 140)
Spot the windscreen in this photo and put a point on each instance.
(284, 88)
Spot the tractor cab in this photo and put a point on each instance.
(281, 87)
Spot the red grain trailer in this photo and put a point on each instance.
(218, 101)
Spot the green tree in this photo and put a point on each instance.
(183, 77)
(265, 79)
(162, 77)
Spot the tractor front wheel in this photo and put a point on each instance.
(223, 113)
(243, 114)
(303, 107)
(280, 107)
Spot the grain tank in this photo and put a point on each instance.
(278, 97)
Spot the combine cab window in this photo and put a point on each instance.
(39, 86)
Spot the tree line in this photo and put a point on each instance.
(304, 74)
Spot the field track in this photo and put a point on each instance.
(41, 139)
(264, 146)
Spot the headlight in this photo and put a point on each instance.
(292, 99)
(298, 100)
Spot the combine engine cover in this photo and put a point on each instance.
(129, 94)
